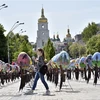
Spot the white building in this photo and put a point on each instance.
(42, 32)
(59, 46)
(68, 37)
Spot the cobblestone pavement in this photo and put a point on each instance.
(81, 91)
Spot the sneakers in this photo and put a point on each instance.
(47, 92)
(30, 92)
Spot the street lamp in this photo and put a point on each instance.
(21, 31)
(13, 27)
(17, 25)
(3, 6)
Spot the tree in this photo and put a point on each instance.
(93, 45)
(3, 44)
(19, 43)
(77, 50)
(49, 50)
(89, 31)
(74, 50)
(82, 50)
(68, 49)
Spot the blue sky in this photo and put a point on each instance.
(60, 13)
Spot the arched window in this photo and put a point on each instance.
(42, 26)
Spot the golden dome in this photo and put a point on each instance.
(68, 33)
(42, 19)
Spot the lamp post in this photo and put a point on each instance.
(21, 31)
(13, 27)
(3, 6)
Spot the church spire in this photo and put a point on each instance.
(42, 12)
(68, 32)
(42, 19)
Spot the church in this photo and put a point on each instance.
(42, 32)
(43, 35)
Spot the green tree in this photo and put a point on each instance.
(19, 43)
(74, 50)
(49, 50)
(89, 31)
(68, 49)
(34, 54)
(3, 44)
(93, 45)
(82, 50)
(77, 50)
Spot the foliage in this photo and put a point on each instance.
(68, 49)
(18, 43)
(76, 50)
(89, 31)
(34, 54)
(93, 45)
(82, 50)
(3, 44)
(49, 50)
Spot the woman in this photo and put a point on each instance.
(40, 62)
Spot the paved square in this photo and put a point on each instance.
(82, 91)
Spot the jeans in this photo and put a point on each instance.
(37, 76)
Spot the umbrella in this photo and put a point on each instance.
(23, 60)
(61, 59)
(96, 59)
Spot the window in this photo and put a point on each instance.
(42, 26)
(42, 43)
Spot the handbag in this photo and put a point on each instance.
(43, 69)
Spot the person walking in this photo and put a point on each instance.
(40, 62)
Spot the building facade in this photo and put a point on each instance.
(68, 38)
(59, 46)
(78, 37)
(42, 32)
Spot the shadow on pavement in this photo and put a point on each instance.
(73, 91)
(11, 95)
(69, 91)
(31, 94)
(49, 95)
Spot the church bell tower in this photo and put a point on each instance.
(42, 32)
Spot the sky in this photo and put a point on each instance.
(60, 14)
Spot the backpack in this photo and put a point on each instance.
(43, 69)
